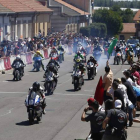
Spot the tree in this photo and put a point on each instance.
(112, 20)
(85, 31)
(127, 16)
(98, 29)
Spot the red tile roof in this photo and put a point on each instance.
(128, 28)
(137, 16)
(72, 7)
(24, 6)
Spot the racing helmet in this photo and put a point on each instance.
(36, 86)
(18, 57)
(51, 66)
(38, 52)
(91, 58)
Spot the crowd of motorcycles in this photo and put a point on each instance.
(34, 101)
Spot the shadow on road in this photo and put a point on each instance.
(10, 81)
(26, 123)
(70, 90)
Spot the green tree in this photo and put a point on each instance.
(85, 31)
(98, 29)
(112, 20)
(127, 16)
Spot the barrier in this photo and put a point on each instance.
(46, 54)
(29, 58)
(23, 58)
(7, 63)
(2, 65)
(41, 51)
(12, 58)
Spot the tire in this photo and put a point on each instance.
(118, 61)
(88, 76)
(31, 117)
(39, 118)
(37, 67)
(75, 85)
(17, 75)
(49, 88)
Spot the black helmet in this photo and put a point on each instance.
(51, 66)
(36, 86)
(91, 57)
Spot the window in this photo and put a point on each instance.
(5, 29)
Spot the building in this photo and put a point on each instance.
(23, 18)
(67, 17)
(128, 30)
(137, 24)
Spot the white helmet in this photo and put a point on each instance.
(18, 57)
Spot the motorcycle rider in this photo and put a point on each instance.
(39, 91)
(129, 52)
(18, 59)
(37, 54)
(60, 48)
(137, 50)
(82, 50)
(82, 68)
(78, 55)
(54, 62)
(53, 51)
(53, 69)
(118, 50)
(94, 61)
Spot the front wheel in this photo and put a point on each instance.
(75, 85)
(31, 119)
(39, 118)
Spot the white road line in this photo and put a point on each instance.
(12, 92)
(74, 94)
(64, 94)
(9, 112)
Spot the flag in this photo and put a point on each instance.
(99, 92)
(112, 45)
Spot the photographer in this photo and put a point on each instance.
(96, 119)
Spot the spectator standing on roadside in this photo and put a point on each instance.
(107, 82)
(96, 119)
(117, 122)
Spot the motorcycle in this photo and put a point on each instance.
(130, 58)
(84, 55)
(77, 79)
(97, 55)
(49, 84)
(54, 56)
(117, 58)
(37, 63)
(91, 69)
(60, 56)
(17, 71)
(34, 109)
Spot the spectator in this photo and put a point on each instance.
(136, 74)
(117, 121)
(107, 82)
(96, 119)
(118, 94)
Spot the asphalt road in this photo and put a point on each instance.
(64, 108)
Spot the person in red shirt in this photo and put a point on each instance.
(136, 74)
